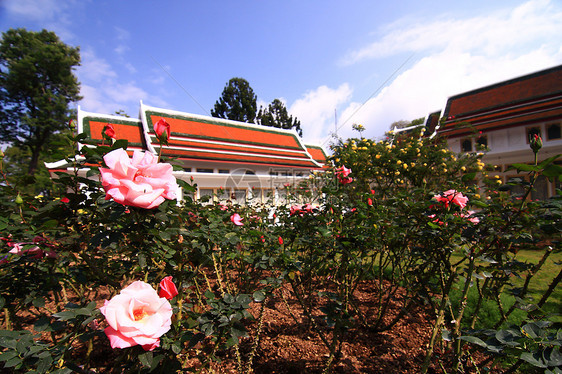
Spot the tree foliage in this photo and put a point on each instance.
(37, 84)
(276, 115)
(238, 102)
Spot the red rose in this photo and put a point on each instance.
(109, 131)
(167, 288)
(162, 130)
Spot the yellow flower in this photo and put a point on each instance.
(398, 162)
(405, 166)
(463, 168)
(396, 172)
(378, 156)
(476, 196)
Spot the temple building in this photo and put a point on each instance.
(228, 160)
(499, 120)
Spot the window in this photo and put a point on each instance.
(531, 131)
(201, 170)
(224, 171)
(187, 170)
(553, 131)
(466, 145)
(482, 142)
(250, 172)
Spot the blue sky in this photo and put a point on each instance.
(370, 62)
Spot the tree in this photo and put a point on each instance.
(238, 102)
(276, 115)
(37, 85)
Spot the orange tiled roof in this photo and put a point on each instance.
(214, 139)
(201, 138)
(527, 99)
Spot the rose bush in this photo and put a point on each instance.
(141, 181)
(137, 316)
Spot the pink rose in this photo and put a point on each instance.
(137, 316)
(167, 288)
(342, 174)
(236, 219)
(469, 216)
(343, 171)
(307, 207)
(452, 196)
(109, 131)
(141, 181)
(17, 248)
(295, 209)
(162, 128)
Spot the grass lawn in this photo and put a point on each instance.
(489, 312)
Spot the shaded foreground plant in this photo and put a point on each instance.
(376, 215)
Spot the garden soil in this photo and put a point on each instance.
(288, 344)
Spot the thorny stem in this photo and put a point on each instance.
(257, 338)
(458, 343)
(439, 321)
(530, 275)
(309, 315)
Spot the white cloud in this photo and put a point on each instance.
(316, 110)
(105, 92)
(94, 68)
(122, 36)
(34, 9)
(52, 14)
(456, 56)
(493, 34)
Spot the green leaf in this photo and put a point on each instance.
(44, 364)
(6, 356)
(258, 296)
(468, 177)
(552, 356)
(532, 330)
(474, 340)
(534, 359)
(146, 359)
(12, 362)
(39, 302)
(120, 143)
(523, 167)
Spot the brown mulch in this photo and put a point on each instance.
(289, 346)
